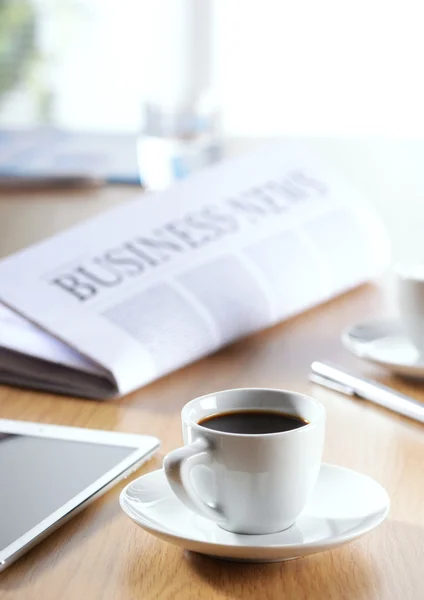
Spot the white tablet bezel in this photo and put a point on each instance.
(144, 447)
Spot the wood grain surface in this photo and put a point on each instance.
(101, 554)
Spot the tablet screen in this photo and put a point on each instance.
(38, 475)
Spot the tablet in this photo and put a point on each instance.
(49, 473)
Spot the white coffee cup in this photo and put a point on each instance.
(410, 296)
(248, 483)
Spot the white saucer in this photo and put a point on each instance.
(385, 344)
(343, 506)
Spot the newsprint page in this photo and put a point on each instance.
(160, 281)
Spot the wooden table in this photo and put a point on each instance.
(101, 554)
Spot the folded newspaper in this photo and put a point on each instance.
(143, 289)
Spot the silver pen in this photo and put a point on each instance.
(333, 377)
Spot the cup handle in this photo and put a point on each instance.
(177, 466)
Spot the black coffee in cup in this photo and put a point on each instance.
(253, 422)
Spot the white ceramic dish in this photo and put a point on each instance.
(344, 505)
(383, 342)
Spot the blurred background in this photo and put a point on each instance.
(346, 77)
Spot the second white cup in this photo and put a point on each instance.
(410, 296)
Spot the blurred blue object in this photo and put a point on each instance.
(48, 153)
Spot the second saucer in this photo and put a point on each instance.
(383, 342)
